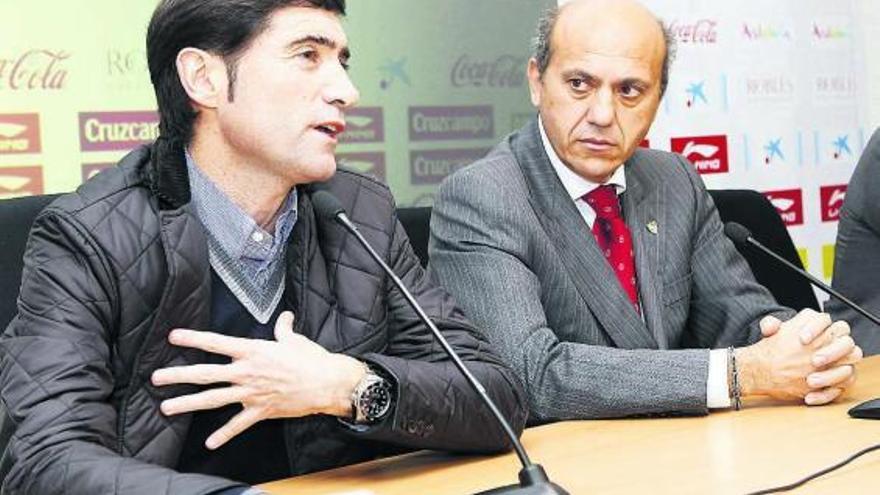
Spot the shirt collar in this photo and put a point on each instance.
(232, 228)
(574, 184)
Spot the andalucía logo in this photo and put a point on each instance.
(16, 182)
(366, 162)
(767, 31)
(832, 199)
(790, 205)
(364, 125)
(112, 131)
(707, 153)
(19, 133)
(829, 30)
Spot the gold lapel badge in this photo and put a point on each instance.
(652, 227)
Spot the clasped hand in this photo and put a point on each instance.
(808, 357)
(285, 378)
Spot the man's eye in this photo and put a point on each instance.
(576, 83)
(628, 91)
(310, 55)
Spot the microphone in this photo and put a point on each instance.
(532, 478)
(741, 236)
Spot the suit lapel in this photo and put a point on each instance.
(577, 249)
(644, 210)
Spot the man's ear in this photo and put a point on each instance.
(536, 86)
(203, 77)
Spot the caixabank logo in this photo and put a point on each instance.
(790, 205)
(832, 198)
(838, 147)
(707, 153)
(19, 133)
(364, 125)
(366, 162)
(117, 131)
(17, 182)
(773, 149)
(697, 94)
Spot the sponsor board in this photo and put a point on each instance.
(364, 125)
(367, 162)
(690, 32)
(440, 123)
(432, 166)
(790, 205)
(831, 199)
(707, 153)
(16, 182)
(115, 131)
(767, 31)
(20, 133)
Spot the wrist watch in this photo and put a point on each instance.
(371, 399)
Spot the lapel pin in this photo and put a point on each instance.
(652, 227)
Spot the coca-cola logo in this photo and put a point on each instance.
(707, 153)
(90, 170)
(504, 71)
(34, 70)
(790, 205)
(832, 198)
(16, 182)
(364, 125)
(432, 166)
(695, 32)
(20, 133)
(366, 162)
(111, 131)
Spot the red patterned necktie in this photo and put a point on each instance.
(614, 238)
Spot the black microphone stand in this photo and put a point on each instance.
(532, 478)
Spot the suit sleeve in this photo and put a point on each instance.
(435, 407)
(479, 252)
(857, 254)
(727, 303)
(57, 381)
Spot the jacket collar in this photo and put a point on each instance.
(577, 249)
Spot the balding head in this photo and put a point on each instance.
(587, 14)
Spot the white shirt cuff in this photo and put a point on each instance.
(717, 392)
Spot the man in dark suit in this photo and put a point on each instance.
(600, 270)
(857, 256)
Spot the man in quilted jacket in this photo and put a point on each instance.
(187, 324)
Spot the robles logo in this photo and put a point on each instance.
(19, 133)
(790, 205)
(112, 131)
(707, 153)
(17, 182)
(832, 198)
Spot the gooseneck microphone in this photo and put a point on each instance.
(742, 237)
(532, 478)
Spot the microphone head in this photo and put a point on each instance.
(327, 207)
(737, 232)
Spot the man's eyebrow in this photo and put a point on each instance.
(317, 39)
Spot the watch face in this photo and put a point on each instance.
(376, 401)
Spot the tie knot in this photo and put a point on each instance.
(604, 202)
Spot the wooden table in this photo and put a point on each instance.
(765, 445)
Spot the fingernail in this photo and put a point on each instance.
(211, 443)
(815, 381)
(810, 400)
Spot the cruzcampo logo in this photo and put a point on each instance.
(112, 131)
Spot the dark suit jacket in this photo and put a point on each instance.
(509, 243)
(857, 256)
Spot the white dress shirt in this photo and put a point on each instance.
(717, 391)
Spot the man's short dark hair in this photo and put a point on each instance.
(223, 27)
(542, 47)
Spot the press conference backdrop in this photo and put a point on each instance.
(763, 95)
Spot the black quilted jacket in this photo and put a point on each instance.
(111, 268)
